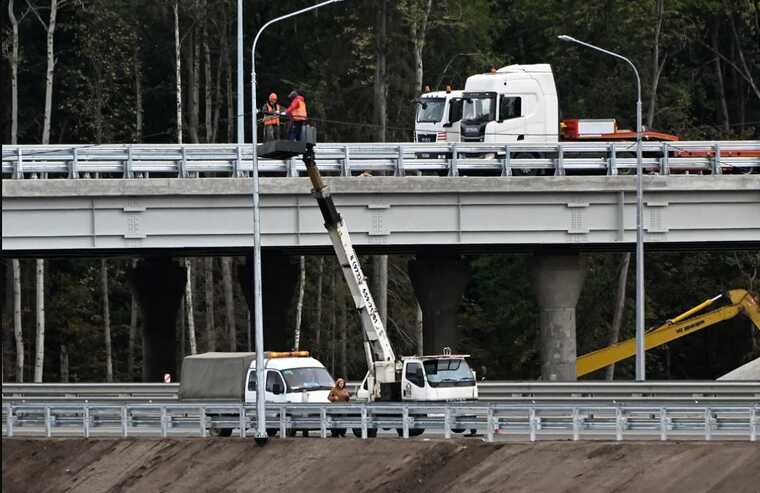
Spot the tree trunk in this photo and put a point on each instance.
(299, 305)
(318, 317)
(13, 59)
(334, 283)
(208, 264)
(195, 86)
(617, 319)
(132, 331)
(64, 364)
(419, 23)
(49, 76)
(138, 95)
(418, 323)
(178, 64)
(746, 73)
(380, 285)
(39, 352)
(189, 307)
(229, 302)
(106, 318)
(381, 84)
(340, 299)
(207, 89)
(656, 66)
(719, 76)
(18, 332)
(227, 53)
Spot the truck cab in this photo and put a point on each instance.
(291, 380)
(438, 116)
(517, 103)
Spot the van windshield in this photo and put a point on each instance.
(430, 110)
(303, 379)
(448, 373)
(479, 107)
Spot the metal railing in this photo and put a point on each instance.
(492, 391)
(492, 421)
(452, 159)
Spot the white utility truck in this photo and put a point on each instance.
(445, 377)
(438, 116)
(291, 377)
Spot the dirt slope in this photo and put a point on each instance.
(382, 465)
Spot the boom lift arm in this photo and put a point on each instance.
(381, 360)
(684, 324)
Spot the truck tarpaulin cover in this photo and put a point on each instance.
(215, 376)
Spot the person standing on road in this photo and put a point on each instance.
(271, 119)
(339, 392)
(297, 113)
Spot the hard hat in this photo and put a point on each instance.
(273, 96)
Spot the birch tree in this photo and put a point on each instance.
(189, 307)
(132, 329)
(178, 72)
(229, 302)
(417, 13)
(13, 62)
(299, 304)
(18, 333)
(39, 349)
(106, 318)
(209, 299)
(617, 319)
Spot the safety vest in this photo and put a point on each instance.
(271, 119)
(299, 113)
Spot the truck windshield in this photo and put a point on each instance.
(479, 107)
(302, 379)
(448, 373)
(430, 110)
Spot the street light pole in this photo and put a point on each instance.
(240, 89)
(261, 433)
(640, 335)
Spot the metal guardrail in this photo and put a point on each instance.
(453, 159)
(494, 391)
(532, 422)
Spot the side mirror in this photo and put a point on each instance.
(277, 388)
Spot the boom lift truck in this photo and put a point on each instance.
(445, 377)
(682, 325)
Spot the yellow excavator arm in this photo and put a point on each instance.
(684, 324)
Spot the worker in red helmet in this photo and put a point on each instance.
(297, 113)
(271, 119)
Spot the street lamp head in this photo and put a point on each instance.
(565, 37)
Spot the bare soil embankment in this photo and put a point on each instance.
(382, 465)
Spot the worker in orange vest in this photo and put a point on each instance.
(297, 113)
(271, 120)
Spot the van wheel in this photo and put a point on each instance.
(272, 432)
(371, 432)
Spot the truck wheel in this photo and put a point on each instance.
(272, 432)
(371, 432)
(413, 432)
(224, 432)
(290, 433)
(338, 432)
(458, 430)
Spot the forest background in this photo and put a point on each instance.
(110, 71)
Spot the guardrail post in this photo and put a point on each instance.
(708, 424)
(346, 161)
(182, 171)
(532, 423)
(86, 422)
(364, 422)
(283, 422)
(74, 164)
(19, 171)
(164, 430)
(716, 162)
(323, 422)
(447, 424)
(48, 424)
(123, 413)
(453, 163)
(128, 168)
(243, 424)
(560, 170)
(663, 425)
(292, 170)
(576, 424)
(202, 421)
(405, 422)
(490, 425)
(665, 168)
(506, 167)
(400, 162)
(753, 423)
(9, 419)
(236, 163)
(612, 163)
(618, 424)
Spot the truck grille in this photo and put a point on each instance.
(426, 137)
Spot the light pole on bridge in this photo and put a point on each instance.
(640, 335)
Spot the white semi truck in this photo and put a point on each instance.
(225, 377)
(438, 116)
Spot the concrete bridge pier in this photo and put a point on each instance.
(558, 281)
(159, 284)
(279, 280)
(439, 282)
